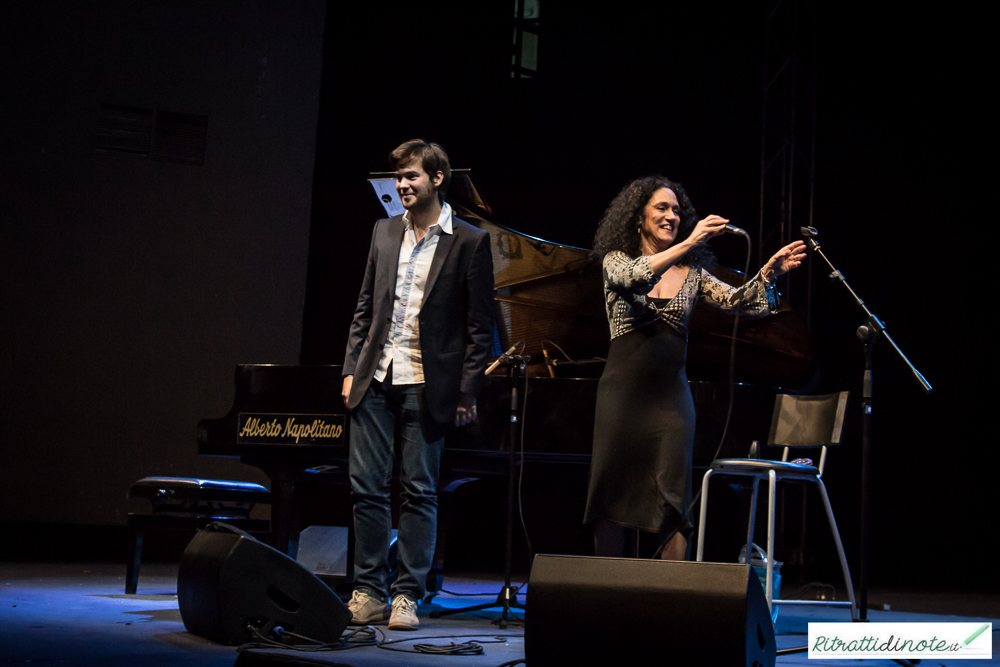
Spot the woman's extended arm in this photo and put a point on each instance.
(640, 274)
(758, 295)
(706, 229)
(783, 261)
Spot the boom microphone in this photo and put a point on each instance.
(501, 358)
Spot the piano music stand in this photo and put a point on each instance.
(507, 598)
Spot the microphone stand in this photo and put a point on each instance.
(507, 599)
(869, 334)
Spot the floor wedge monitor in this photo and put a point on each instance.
(620, 611)
(228, 581)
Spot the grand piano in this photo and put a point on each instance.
(289, 420)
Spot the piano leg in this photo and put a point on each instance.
(286, 516)
(435, 577)
(135, 561)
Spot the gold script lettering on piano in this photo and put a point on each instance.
(290, 428)
(318, 429)
(254, 428)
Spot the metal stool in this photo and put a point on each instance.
(798, 421)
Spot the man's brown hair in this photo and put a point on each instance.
(431, 156)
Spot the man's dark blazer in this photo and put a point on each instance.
(456, 316)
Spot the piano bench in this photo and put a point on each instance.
(182, 503)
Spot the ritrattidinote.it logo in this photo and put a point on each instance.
(901, 640)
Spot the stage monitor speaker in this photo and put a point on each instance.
(624, 611)
(228, 580)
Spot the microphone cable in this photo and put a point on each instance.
(732, 382)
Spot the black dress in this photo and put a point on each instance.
(640, 472)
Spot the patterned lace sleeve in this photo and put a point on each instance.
(756, 297)
(622, 273)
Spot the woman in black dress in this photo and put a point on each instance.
(654, 256)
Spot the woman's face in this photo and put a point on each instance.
(661, 219)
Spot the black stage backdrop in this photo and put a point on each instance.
(620, 92)
(132, 286)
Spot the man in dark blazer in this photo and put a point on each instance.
(418, 345)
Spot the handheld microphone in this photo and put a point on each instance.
(733, 229)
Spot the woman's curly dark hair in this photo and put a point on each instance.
(619, 228)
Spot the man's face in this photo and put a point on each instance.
(415, 187)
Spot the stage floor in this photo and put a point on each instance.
(77, 614)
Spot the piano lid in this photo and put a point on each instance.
(550, 298)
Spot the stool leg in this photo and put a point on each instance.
(772, 481)
(702, 514)
(135, 560)
(751, 522)
(840, 548)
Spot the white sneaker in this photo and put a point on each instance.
(404, 614)
(366, 609)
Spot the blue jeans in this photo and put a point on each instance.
(384, 410)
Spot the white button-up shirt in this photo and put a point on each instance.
(402, 348)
